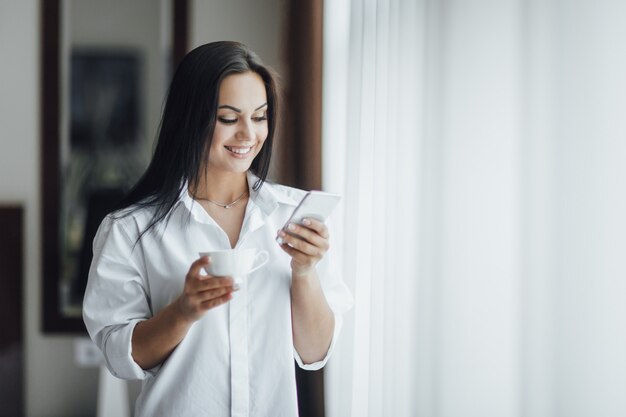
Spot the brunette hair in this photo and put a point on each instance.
(187, 125)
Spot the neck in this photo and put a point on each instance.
(222, 187)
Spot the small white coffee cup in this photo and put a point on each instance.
(235, 263)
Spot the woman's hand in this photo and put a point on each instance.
(306, 243)
(154, 339)
(202, 292)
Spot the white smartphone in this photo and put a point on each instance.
(314, 205)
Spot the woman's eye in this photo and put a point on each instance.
(260, 118)
(226, 120)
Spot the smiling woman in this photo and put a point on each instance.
(241, 127)
(201, 344)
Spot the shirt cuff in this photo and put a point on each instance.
(321, 363)
(117, 348)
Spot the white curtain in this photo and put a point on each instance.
(480, 147)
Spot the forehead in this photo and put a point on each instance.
(245, 91)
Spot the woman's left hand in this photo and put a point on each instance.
(306, 243)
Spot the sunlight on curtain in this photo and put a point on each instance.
(477, 146)
(373, 161)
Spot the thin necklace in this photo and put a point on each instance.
(226, 206)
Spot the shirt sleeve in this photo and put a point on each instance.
(338, 297)
(116, 298)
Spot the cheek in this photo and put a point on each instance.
(262, 132)
(219, 134)
(215, 146)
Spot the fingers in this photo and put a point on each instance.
(197, 266)
(203, 292)
(213, 298)
(312, 240)
(202, 282)
(214, 302)
(316, 226)
(196, 292)
(301, 245)
(295, 253)
(311, 236)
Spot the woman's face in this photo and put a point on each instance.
(241, 126)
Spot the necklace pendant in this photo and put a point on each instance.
(227, 206)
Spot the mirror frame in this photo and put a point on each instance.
(52, 319)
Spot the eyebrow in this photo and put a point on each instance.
(226, 106)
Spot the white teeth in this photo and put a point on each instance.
(239, 151)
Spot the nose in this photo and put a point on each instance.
(246, 131)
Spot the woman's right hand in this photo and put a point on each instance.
(155, 338)
(202, 292)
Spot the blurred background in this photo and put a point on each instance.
(479, 147)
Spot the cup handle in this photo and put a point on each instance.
(264, 255)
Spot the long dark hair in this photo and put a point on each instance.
(187, 125)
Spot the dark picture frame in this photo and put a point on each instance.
(53, 320)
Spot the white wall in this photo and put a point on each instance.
(258, 24)
(54, 385)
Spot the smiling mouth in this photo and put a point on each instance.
(239, 150)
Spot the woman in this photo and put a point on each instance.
(201, 346)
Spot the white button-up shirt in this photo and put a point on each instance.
(238, 360)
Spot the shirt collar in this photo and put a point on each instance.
(189, 203)
(267, 198)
